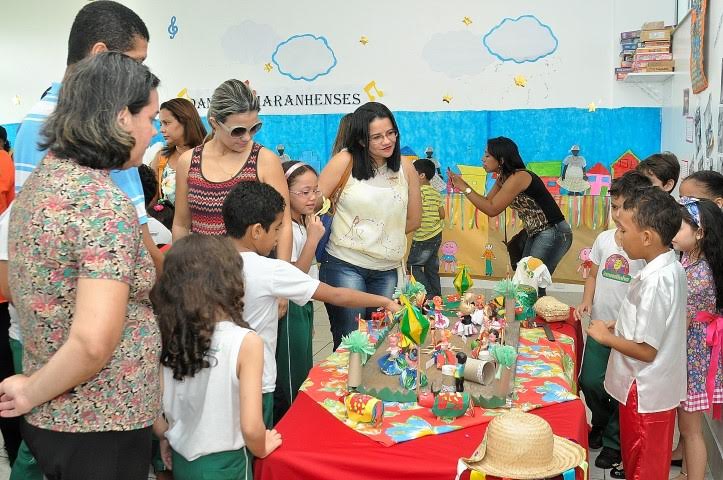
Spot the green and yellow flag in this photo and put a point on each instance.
(463, 280)
(413, 324)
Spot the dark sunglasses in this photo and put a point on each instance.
(239, 131)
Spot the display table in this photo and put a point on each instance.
(316, 445)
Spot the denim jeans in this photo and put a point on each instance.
(423, 262)
(550, 246)
(339, 273)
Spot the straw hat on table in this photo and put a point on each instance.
(522, 446)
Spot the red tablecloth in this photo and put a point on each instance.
(317, 446)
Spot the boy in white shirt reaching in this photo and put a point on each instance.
(605, 288)
(647, 368)
(252, 214)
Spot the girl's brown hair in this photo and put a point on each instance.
(193, 130)
(201, 283)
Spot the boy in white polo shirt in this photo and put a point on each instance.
(647, 368)
(252, 214)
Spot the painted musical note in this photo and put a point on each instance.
(172, 28)
(372, 86)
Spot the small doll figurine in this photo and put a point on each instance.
(440, 321)
(464, 326)
(442, 352)
(491, 339)
(392, 363)
(479, 302)
(459, 371)
(394, 348)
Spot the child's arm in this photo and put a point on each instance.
(588, 293)
(182, 214)
(249, 369)
(347, 297)
(441, 213)
(314, 232)
(160, 427)
(603, 333)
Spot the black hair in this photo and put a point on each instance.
(664, 166)
(505, 151)
(630, 181)
(358, 140)
(149, 183)
(250, 203)
(655, 209)
(298, 171)
(4, 142)
(710, 180)
(711, 245)
(111, 23)
(425, 166)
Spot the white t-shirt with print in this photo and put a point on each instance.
(265, 281)
(615, 271)
(299, 240)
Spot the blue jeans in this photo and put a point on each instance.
(423, 262)
(550, 246)
(339, 273)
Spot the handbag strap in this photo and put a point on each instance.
(340, 186)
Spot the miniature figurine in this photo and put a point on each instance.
(440, 321)
(459, 371)
(464, 326)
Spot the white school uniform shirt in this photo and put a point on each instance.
(203, 411)
(614, 274)
(299, 237)
(265, 281)
(653, 312)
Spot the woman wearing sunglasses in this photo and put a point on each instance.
(206, 174)
(379, 204)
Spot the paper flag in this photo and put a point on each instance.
(467, 21)
(363, 40)
(183, 93)
(268, 67)
(520, 80)
(447, 98)
(591, 107)
(16, 100)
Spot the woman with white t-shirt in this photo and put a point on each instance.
(379, 204)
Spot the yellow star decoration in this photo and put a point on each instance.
(447, 98)
(16, 100)
(183, 94)
(363, 40)
(268, 67)
(520, 81)
(467, 21)
(591, 107)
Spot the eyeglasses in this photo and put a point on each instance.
(306, 193)
(239, 131)
(379, 137)
(691, 206)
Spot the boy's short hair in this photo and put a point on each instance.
(149, 183)
(664, 166)
(710, 180)
(425, 166)
(250, 203)
(656, 210)
(630, 181)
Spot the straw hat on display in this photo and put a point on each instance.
(522, 446)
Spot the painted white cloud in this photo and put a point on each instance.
(522, 39)
(249, 42)
(456, 53)
(304, 57)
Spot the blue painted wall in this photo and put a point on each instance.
(460, 137)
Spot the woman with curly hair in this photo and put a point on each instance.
(212, 363)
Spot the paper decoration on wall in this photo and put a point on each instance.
(708, 119)
(304, 57)
(599, 178)
(447, 98)
(172, 28)
(585, 262)
(522, 39)
(183, 93)
(467, 21)
(268, 67)
(624, 163)
(488, 256)
(697, 138)
(372, 86)
(469, 58)
(257, 40)
(363, 40)
(591, 107)
(16, 100)
(520, 80)
(698, 13)
(573, 178)
(448, 258)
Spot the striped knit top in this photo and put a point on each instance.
(205, 198)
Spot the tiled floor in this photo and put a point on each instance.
(322, 345)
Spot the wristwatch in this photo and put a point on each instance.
(467, 191)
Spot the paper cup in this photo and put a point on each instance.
(479, 371)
